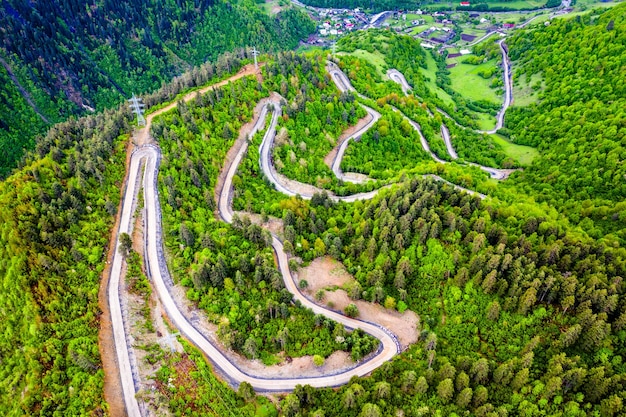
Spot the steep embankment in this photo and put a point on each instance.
(578, 123)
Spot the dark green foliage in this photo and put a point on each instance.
(55, 219)
(18, 124)
(524, 311)
(72, 54)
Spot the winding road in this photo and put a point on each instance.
(148, 156)
(496, 173)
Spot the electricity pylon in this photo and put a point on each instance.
(255, 53)
(137, 107)
(169, 340)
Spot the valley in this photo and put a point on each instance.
(348, 231)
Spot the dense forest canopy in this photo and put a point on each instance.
(522, 305)
(579, 122)
(67, 57)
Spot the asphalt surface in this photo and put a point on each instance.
(496, 173)
(336, 165)
(149, 157)
(122, 344)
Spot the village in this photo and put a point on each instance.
(436, 29)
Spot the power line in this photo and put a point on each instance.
(255, 53)
(137, 106)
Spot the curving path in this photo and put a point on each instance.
(336, 165)
(149, 156)
(157, 271)
(343, 83)
(496, 173)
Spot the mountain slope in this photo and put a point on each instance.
(93, 55)
(579, 123)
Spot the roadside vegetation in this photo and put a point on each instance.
(521, 297)
(229, 270)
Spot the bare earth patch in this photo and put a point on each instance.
(326, 273)
(337, 362)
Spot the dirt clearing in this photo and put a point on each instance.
(327, 274)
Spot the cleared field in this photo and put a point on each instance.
(430, 75)
(309, 48)
(485, 121)
(523, 154)
(375, 59)
(524, 92)
(467, 82)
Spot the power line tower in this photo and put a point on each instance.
(137, 106)
(169, 340)
(255, 53)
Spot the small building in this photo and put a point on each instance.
(465, 52)
(508, 25)
(465, 3)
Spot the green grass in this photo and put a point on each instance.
(485, 121)
(523, 92)
(429, 75)
(467, 82)
(376, 59)
(523, 154)
(310, 48)
(516, 4)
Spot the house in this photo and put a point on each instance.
(508, 25)
(465, 52)
(465, 3)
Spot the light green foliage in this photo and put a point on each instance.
(230, 269)
(55, 219)
(577, 123)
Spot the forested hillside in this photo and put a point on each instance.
(55, 215)
(71, 56)
(521, 296)
(519, 316)
(579, 122)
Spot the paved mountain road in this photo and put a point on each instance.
(149, 156)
